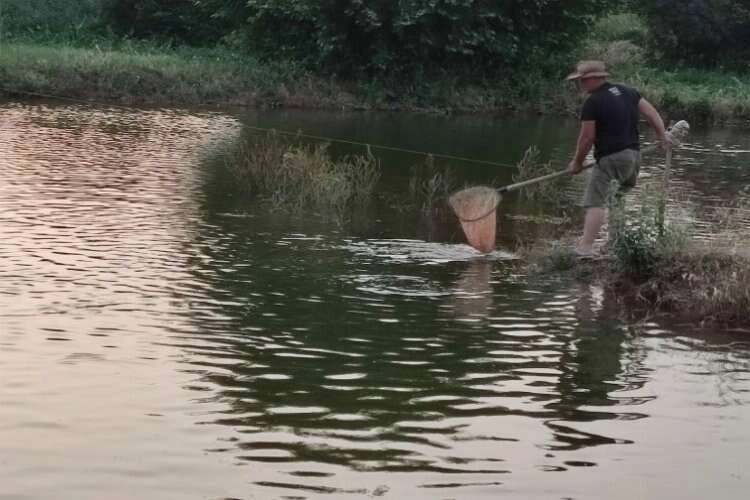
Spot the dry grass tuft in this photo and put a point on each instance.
(430, 184)
(530, 167)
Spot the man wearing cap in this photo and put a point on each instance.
(609, 123)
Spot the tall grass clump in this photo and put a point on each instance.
(296, 176)
(640, 246)
(430, 185)
(530, 167)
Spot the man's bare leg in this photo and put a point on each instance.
(591, 226)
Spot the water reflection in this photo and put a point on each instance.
(473, 294)
(391, 380)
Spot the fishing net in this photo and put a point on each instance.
(476, 208)
(678, 132)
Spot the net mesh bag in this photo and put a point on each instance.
(476, 210)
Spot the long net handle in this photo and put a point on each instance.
(543, 178)
(547, 177)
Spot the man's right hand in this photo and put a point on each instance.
(575, 167)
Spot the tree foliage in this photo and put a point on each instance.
(25, 17)
(184, 21)
(699, 31)
(396, 36)
(361, 37)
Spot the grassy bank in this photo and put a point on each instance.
(696, 283)
(661, 267)
(150, 74)
(142, 74)
(147, 73)
(702, 96)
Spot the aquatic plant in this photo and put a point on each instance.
(531, 166)
(638, 246)
(297, 176)
(430, 184)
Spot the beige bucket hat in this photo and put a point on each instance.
(589, 69)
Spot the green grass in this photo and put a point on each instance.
(131, 72)
(142, 73)
(699, 95)
(621, 26)
(102, 68)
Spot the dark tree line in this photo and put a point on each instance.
(350, 37)
(374, 36)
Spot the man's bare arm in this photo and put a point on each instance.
(586, 138)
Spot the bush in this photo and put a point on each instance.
(704, 32)
(45, 17)
(184, 21)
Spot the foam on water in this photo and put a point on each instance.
(421, 252)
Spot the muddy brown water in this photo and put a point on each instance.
(162, 338)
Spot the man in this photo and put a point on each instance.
(609, 122)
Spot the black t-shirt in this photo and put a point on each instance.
(614, 108)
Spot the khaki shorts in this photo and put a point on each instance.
(622, 167)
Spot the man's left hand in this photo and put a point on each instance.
(666, 141)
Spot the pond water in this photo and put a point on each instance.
(162, 338)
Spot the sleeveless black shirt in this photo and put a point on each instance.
(614, 108)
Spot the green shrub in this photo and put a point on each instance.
(419, 37)
(183, 21)
(51, 17)
(624, 26)
(699, 32)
